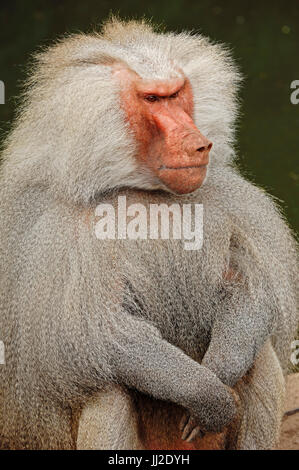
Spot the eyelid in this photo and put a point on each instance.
(155, 98)
(148, 97)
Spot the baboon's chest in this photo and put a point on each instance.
(170, 293)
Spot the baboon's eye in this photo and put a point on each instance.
(152, 98)
(174, 95)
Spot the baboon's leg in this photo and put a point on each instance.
(262, 393)
(109, 421)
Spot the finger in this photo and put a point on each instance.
(188, 429)
(184, 421)
(195, 433)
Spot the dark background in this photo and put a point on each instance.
(264, 36)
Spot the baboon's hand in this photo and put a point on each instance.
(189, 428)
(214, 410)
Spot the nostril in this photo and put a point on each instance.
(203, 148)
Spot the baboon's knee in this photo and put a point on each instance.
(108, 421)
(262, 393)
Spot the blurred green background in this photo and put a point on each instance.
(264, 37)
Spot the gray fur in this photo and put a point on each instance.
(78, 313)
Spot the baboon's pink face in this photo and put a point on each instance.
(160, 114)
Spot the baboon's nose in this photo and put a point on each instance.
(197, 147)
(206, 147)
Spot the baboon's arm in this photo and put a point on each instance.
(145, 361)
(238, 335)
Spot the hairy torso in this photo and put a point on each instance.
(167, 284)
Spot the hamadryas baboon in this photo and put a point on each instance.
(132, 344)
